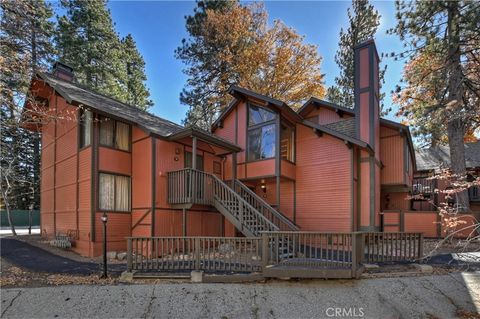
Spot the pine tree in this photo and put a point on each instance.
(363, 23)
(26, 36)
(233, 44)
(87, 41)
(448, 30)
(195, 53)
(137, 93)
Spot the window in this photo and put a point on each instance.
(473, 191)
(287, 143)
(85, 128)
(114, 134)
(114, 193)
(259, 115)
(261, 133)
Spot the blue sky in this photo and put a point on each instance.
(159, 26)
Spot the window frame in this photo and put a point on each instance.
(81, 126)
(294, 143)
(114, 142)
(274, 121)
(114, 210)
(471, 192)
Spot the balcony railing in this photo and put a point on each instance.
(423, 186)
(189, 186)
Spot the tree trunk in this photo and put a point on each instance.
(455, 121)
(9, 216)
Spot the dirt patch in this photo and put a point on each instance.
(12, 276)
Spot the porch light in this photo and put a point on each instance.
(263, 186)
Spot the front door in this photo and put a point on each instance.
(188, 161)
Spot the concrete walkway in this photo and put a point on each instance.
(409, 297)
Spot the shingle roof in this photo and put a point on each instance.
(74, 92)
(327, 130)
(439, 157)
(346, 127)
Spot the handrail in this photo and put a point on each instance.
(245, 204)
(282, 219)
(191, 186)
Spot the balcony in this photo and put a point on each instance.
(189, 187)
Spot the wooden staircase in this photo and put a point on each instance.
(248, 212)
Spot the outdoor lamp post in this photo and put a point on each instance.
(104, 219)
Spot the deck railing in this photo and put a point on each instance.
(275, 254)
(277, 218)
(312, 254)
(392, 246)
(211, 254)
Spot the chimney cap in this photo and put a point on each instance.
(365, 43)
(62, 66)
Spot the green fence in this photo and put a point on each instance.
(20, 218)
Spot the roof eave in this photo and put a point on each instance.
(212, 139)
(339, 135)
(318, 102)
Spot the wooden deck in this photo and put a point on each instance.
(274, 254)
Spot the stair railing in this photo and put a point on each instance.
(277, 218)
(248, 216)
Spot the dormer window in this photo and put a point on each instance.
(261, 133)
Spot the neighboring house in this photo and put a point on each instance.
(431, 161)
(263, 167)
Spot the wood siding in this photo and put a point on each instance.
(392, 156)
(324, 182)
(324, 115)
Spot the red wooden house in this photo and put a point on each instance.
(262, 167)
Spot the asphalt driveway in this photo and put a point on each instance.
(448, 296)
(39, 260)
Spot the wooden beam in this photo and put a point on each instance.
(234, 166)
(318, 132)
(194, 152)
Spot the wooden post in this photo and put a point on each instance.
(129, 254)
(357, 252)
(402, 220)
(420, 247)
(184, 222)
(264, 251)
(194, 152)
(196, 253)
(234, 167)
